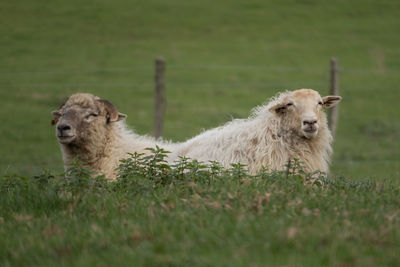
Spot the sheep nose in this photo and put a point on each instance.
(309, 122)
(63, 127)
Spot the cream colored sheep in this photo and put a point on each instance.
(91, 130)
(292, 125)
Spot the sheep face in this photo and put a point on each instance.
(83, 118)
(301, 111)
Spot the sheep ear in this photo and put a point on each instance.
(278, 108)
(112, 113)
(331, 100)
(56, 115)
(121, 116)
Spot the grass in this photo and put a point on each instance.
(223, 59)
(154, 215)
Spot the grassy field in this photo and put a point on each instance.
(223, 59)
(188, 216)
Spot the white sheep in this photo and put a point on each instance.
(292, 125)
(91, 129)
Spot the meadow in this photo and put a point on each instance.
(223, 59)
(155, 215)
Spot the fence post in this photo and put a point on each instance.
(334, 90)
(159, 98)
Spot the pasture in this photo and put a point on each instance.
(152, 215)
(223, 59)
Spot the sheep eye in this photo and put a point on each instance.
(320, 103)
(289, 104)
(92, 115)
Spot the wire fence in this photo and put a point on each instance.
(322, 69)
(11, 80)
(38, 77)
(170, 84)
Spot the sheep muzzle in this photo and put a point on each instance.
(65, 128)
(309, 127)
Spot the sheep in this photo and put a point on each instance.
(93, 131)
(292, 125)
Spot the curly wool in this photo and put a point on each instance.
(102, 145)
(262, 140)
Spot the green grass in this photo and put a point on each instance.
(223, 59)
(153, 215)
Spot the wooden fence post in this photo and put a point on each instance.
(334, 90)
(159, 98)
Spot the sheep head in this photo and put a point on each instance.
(81, 117)
(301, 111)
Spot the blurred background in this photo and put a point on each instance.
(223, 59)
